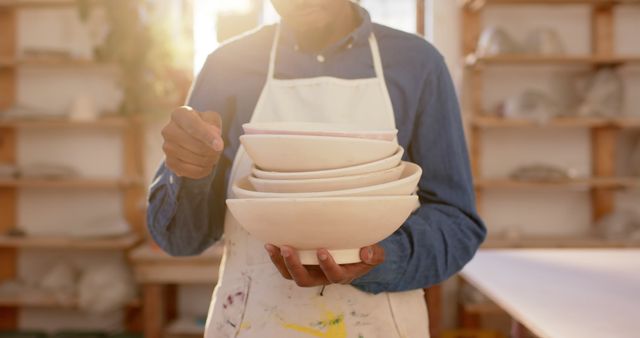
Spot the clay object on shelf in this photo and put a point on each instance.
(620, 225)
(342, 225)
(543, 41)
(532, 105)
(289, 153)
(327, 184)
(105, 288)
(542, 173)
(384, 164)
(47, 171)
(496, 41)
(602, 94)
(405, 185)
(318, 129)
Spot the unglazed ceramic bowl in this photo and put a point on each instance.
(406, 185)
(327, 184)
(384, 164)
(341, 225)
(289, 153)
(318, 129)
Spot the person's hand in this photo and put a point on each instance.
(192, 142)
(287, 261)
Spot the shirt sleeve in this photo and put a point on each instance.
(185, 216)
(441, 236)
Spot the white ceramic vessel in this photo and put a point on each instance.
(406, 185)
(384, 164)
(291, 153)
(327, 184)
(341, 225)
(317, 129)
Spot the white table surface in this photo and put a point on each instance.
(590, 293)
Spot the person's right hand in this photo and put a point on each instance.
(192, 142)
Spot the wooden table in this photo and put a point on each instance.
(561, 293)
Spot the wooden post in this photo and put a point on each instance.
(8, 196)
(154, 307)
(602, 31)
(603, 157)
(420, 17)
(433, 297)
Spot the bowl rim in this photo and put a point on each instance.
(399, 153)
(359, 199)
(270, 126)
(399, 167)
(316, 137)
(400, 181)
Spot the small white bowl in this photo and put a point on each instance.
(406, 185)
(341, 225)
(384, 164)
(327, 184)
(317, 129)
(312, 153)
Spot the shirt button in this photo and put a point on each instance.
(320, 58)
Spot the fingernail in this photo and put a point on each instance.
(217, 145)
(285, 252)
(269, 249)
(322, 256)
(369, 254)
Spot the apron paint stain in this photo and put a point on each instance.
(333, 324)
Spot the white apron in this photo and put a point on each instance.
(252, 299)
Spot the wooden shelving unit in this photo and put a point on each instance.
(603, 132)
(130, 184)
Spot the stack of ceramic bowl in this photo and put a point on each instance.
(323, 186)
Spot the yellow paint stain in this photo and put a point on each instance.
(245, 326)
(334, 324)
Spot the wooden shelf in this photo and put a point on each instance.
(42, 300)
(536, 60)
(52, 63)
(114, 243)
(152, 265)
(478, 4)
(602, 183)
(556, 242)
(488, 121)
(107, 122)
(67, 183)
(37, 3)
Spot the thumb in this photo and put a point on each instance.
(214, 119)
(372, 255)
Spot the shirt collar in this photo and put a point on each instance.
(359, 36)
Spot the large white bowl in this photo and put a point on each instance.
(341, 225)
(406, 185)
(384, 164)
(312, 153)
(318, 129)
(327, 184)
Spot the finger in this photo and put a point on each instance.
(172, 133)
(298, 272)
(372, 255)
(189, 121)
(185, 169)
(333, 272)
(277, 260)
(213, 118)
(185, 155)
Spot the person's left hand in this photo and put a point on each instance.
(287, 261)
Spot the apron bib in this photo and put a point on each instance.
(252, 299)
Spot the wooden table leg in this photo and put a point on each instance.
(433, 296)
(154, 309)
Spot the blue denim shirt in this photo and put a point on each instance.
(187, 216)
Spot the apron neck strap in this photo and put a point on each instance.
(373, 45)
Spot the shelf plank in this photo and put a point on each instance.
(152, 265)
(44, 300)
(535, 60)
(556, 242)
(106, 122)
(114, 243)
(489, 121)
(67, 183)
(37, 3)
(478, 4)
(605, 183)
